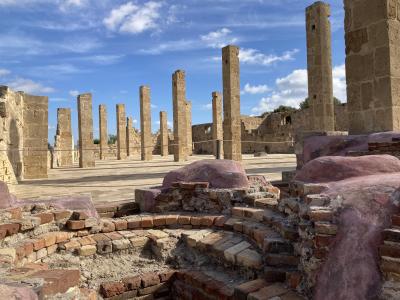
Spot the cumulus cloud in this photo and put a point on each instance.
(255, 89)
(255, 57)
(29, 86)
(219, 38)
(207, 106)
(133, 18)
(74, 93)
(293, 89)
(4, 72)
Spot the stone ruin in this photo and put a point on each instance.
(329, 230)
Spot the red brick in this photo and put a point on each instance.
(150, 279)
(171, 220)
(11, 228)
(16, 213)
(390, 249)
(62, 215)
(20, 251)
(243, 290)
(87, 240)
(134, 223)
(396, 220)
(220, 221)
(207, 221)
(166, 276)
(75, 224)
(322, 215)
(268, 292)
(45, 217)
(132, 283)
(79, 215)
(28, 244)
(294, 279)
(111, 289)
(108, 226)
(195, 221)
(62, 237)
(322, 241)
(159, 221)
(146, 222)
(114, 236)
(121, 224)
(39, 244)
(3, 233)
(184, 220)
(57, 281)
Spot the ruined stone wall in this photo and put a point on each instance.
(63, 146)
(272, 133)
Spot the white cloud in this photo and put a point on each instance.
(255, 57)
(29, 86)
(68, 4)
(255, 89)
(103, 59)
(219, 38)
(74, 93)
(293, 89)
(153, 106)
(134, 19)
(61, 69)
(207, 106)
(4, 72)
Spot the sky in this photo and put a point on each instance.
(60, 48)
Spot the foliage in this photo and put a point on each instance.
(112, 138)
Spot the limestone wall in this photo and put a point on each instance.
(272, 133)
(23, 134)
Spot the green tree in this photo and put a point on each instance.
(112, 138)
(284, 108)
(96, 141)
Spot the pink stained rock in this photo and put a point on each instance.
(335, 168)
(351, 270)
(6, 199)
(8, 291)
(218, 173)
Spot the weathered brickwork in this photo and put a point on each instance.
(180, 124)
(103, 131)
(319, 62)
(145, 123)
(164, 133)
(63, 149)
(231, 84)
(85, 128)
(217, 130)
(121, 132)
(189, 134)
(132, 138)
(372, 65)
(35, 136)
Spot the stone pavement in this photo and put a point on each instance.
(113, 180)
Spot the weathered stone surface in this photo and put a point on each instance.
(232, 120)
(189, 134)
(219, 173)
(85, 129)
(217, 128)
(64, 145)
(180, 123)
(121, 132)
(145, 123)
(103, 131)
(164, 138)
(319, 62)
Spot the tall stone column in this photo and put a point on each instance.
(63, 140)
(189, 134)
(217, 130)
(164, 137)
(179, 106)
(85, 122)
(129, 136)
(145, 123)
(319, 63)
(373, 65)
(103, 131)
(232, 120)
(121, 132)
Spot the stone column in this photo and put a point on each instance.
(85, 122)
(35, 136)
(189, 134)
(145, 123)
(179, 106)
(129, 136)
(164, 133)
(63, 139)
(103, 131)
(319, 63)
(373, 65)
(232, 120)
(121, 132)
(217, 130)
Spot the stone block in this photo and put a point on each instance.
(111, 289)
(75, 224)
(243, 290)
(120, 244)
(268, 292)
(150, 279)
(249, 258)
(231, 253)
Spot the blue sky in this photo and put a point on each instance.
(60, 48)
